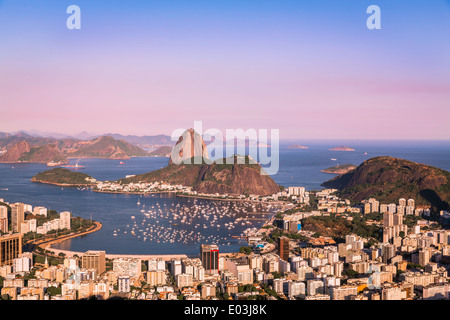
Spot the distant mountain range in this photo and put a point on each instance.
(38, 137)
(25, 148)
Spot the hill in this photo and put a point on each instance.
(339, 169)
(388, 179)
(31, 149)
(105, 147)
(65, 177)
(214, 178)
(164, 151)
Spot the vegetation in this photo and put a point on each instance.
(246, 250)
(63, 177)
(337, 227)
(388, 179)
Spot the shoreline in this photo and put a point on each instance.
(165, 257)
(44, 243)
(63, 184)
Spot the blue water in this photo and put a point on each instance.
(298, 167)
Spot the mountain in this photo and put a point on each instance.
(214, 178)
(189, 145)
(164, 151)
(16, 152)
(207, 177)
(43, 154)
(388, 179)
(44, 150)
(144, 141)
(105, 147)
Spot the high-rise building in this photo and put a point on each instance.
(10, 248)
(375, 206)
(4, 219)
(402, 202)
(388, 219)
(64, 220)
(392, 208)
(209, 255)
(124, 283)
(283, 248)
(17, 216)
(94, 260)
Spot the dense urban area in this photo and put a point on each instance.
(319, 247)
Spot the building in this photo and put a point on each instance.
(23, 263)
(283, 248)
(17, 216)
(436, 291)
(156, 264)
(184, 280)
(343, 293)
(64, 220)
(240, 270)
(156, 278)
(127, 266)
(209, 255)
(40, 211)
(10, 248)
(94, 260)
(4, 219)
(124, 284)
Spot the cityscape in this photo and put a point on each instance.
(409, 260)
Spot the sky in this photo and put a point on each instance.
(311, 69)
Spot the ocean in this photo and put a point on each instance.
(157, 217)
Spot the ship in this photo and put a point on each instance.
(53, 164)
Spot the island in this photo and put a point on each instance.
(297, 146)
(339, 169)
(342, 148)
(64, 177)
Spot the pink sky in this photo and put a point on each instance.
(317, 82)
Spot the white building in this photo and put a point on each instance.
(124, 283)
(64, 218)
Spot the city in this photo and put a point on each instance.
(407, 259)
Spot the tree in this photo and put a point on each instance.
(246, 250)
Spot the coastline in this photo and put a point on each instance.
(44, 243)
(165, 257)
(63, 184)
